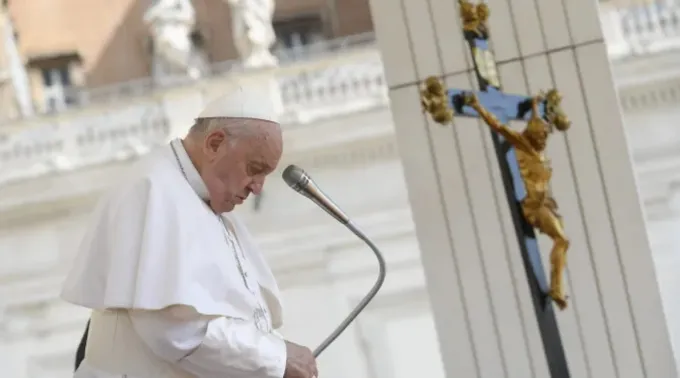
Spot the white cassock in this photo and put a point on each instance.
(175, 290)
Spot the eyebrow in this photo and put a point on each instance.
(260, 165)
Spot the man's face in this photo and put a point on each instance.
(537, 133)
(233, 169)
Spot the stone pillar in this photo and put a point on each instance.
(665, 242)
(485, 322)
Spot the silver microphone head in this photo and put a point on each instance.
(300, 181)
(295, 177)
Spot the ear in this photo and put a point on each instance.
(213, 141)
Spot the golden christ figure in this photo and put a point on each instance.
(539, 207)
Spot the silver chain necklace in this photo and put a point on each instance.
(260, 314)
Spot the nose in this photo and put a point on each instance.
(256, 187)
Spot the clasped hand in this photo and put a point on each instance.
(300, 362)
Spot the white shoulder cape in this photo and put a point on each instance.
(153, 243)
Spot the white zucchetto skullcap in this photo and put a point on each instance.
(242, 102)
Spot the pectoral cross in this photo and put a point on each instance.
(446, 104)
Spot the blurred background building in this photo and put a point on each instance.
(88, 86)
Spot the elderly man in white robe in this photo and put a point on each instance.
(176, 286)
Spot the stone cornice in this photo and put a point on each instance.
(651, 95)
(660, 187)
(648, 82)
(637, 70)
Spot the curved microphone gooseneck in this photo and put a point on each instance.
(300, 181)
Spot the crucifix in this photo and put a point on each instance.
(525, 171)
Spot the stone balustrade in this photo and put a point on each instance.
(287, 57)
(115, 130)
(634, 27)
(87, 137)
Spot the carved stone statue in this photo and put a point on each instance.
(15, 92)
(171, 23)
(253, 31)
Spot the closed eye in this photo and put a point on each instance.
(257, 169)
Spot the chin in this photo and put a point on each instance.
(223, 207)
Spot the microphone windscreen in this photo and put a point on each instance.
(294, 176)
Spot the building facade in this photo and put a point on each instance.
(73, 48)
(337, 125)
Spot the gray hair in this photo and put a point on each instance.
(233, 127)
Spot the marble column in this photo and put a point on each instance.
(614, 325)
